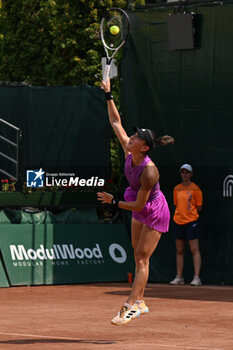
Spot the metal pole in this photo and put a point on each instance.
(9, 124)
(19, 161)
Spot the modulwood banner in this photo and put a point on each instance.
(60, 254)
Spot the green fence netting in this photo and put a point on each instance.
(65, 129)
(79, 216)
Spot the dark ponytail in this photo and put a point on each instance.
(165, 140)
(153, 141)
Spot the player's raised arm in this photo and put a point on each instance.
(114, 117)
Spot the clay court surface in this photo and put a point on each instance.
(78, 317)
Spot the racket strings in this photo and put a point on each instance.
(119, 20)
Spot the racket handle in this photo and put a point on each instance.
(106, 72)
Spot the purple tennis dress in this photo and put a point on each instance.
(156, 213)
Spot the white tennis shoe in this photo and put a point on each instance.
(126, 314)
(143, 307)
(196, 281)
(177, 280)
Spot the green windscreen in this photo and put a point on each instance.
(65, 129)
(187, 94)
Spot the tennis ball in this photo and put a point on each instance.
(114, 30)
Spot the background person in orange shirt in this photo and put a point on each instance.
(188, 201)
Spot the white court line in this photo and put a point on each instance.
(184, 347)
(39, 336)
(80, 339)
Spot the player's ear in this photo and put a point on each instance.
(145, 148)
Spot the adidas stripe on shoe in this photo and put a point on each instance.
(126, 314)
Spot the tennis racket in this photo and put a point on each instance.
(114, 30)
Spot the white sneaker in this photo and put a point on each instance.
(177, 280)
(196, 281)
(126, 314)
(142, 307)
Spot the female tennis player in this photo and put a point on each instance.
(150, 212)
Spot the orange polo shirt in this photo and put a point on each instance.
(186, 200)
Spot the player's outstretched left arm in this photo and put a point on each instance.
(115, 119)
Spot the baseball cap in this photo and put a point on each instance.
(187, 167)
(145, 134)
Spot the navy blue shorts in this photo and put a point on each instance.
(188, 231)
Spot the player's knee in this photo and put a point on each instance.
(141, 260)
